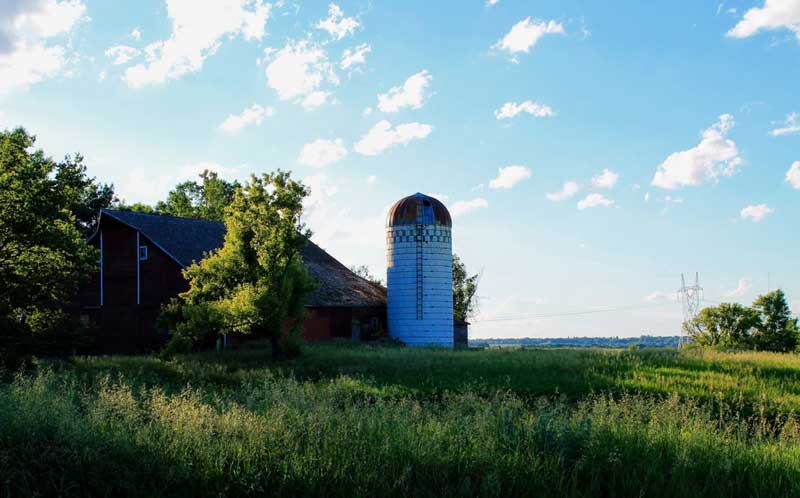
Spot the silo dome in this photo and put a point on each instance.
(419, 271)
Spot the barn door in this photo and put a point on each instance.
(355, 327)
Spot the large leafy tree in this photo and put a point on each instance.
(728, 325)
(85, 197)
(206, 199)
(256, 283)
(43, 256)
(777, 330)
(465, 288)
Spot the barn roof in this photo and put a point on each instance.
(186, 240)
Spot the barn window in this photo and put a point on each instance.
(143, 253)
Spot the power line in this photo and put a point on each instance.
(537, 316)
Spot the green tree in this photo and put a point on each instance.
(136, 207)
(205, 200)
(363, 272)
(777, 330)
(43, 256)
(85, 197)
(465, 288)
(729, 325)
(256, 283)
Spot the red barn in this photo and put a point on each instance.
(140, 268)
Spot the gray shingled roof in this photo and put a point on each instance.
(187, 240)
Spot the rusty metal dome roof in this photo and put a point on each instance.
(418, 208)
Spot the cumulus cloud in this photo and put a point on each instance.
(790, 125)
(713, 157)
(659, 296)
(411, 94)
(594, 200)
(122, 54)
(149, 186)
(136, 34)
(198, 29)
(336, 24)
(322, 152)
(460, 208)
(775, 14)
(27, 30)
(524, 35)
(509, 176)
(756, 213)
(793, 175)
(741, 289)
(607, 179)
(298, 71)
(382, 137)
(511, 109)
(567, 191)
(354, 56)
(492, 3)
(253, 115)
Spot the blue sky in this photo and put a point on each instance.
(589, 154)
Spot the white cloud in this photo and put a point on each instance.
(509, 176)
(411, 94)
(198, 29)
(136, 34)
(791, 125)
(382, 137)
(26, 29)
(713, 157)
(460, 208)
(594, 200)
(607, 179)
(756, 212)
(122, 54)
(372, 180)
(793, 175)
(775, 14)
(149, 186)
(511, 109)
(367, 111)
(741, 289)
(336, 24)
(298, 70)
(354, 56)
(492, 3)
(659, 296)
(525, 34)
(322, 152)
(253, 115)
(647, 197)
(567, 191)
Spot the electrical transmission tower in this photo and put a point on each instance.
(690, 297)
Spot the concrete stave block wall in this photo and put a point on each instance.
(419, 261)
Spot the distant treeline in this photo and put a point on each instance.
(645, 341)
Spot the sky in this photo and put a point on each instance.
(589, 154)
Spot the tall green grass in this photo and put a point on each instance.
(345, 421)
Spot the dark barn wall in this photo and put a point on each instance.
(324, 323)
(121, 324)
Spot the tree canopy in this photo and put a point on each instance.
(465, 288)
(256, 283)
(206, 199)
(44, 215)
(767, 325)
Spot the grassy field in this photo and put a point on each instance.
(367, 421)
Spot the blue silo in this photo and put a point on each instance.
(419, 274)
